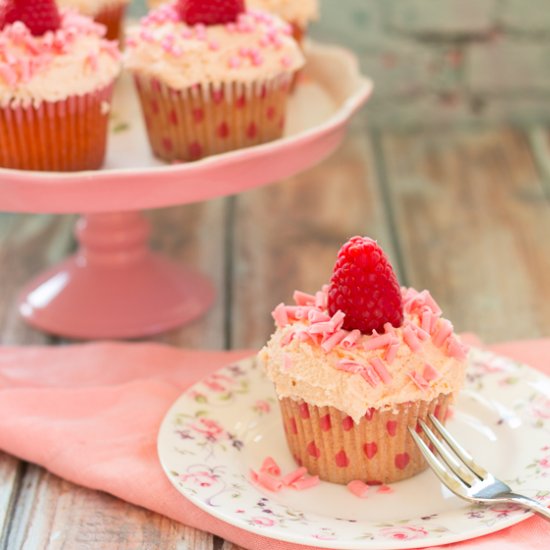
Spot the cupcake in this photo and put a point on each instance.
(211, 78)
(107, 12)
(357, 363)
(56, 80)
(299, 13)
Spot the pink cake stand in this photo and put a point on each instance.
(115, 286)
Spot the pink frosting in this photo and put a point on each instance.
(73, 60)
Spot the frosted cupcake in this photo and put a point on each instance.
(211, 79)
(356, 364)
(56, 79)
(107, 12)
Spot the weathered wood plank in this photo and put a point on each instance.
(28, 244)
(54, 514)
(287, 235)
(473, 221)
(194, 235)
(9, 481)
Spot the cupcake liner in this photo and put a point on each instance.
(186, 125)
(111, 17)
(65, 135)
(379, 449)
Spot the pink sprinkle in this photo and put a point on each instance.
(384, 490)
(430, 373)
(456, 349)
(418, 380)
(298, 312)
(369, 375)
(426, 317)
(431, 303)
(316, 316)
(442, 333)
(266, 481)
(349, 366)
(303, 299)
(381, 370)
(351, 339)
(214, 45)
(322, 328)
(321, 299)
(305, 483)
(358, 488)
(280, 315)
(333, 340)
(391, 353)
(269, 466)
(287, 362)
(377, 342)
(290, 478)
(411, 339)
(287, 338)
(338, 319)
(420, 333)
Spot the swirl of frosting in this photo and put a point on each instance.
(311, 358)
(73, 60)
(257, 47)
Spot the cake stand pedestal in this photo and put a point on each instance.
(115, 286)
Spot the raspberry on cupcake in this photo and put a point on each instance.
(56, 79)
(358, 362)
(212, 76)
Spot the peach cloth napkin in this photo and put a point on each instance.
(90, 414)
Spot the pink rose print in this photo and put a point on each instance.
(504, 509)
(208, 427)
(262, 521)
(545, 462)
(262, 406)
(214, 385)
(541, 407)
(405, 532)
(202, 479)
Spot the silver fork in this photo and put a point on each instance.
(459, 472)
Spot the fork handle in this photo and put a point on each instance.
(530, 503)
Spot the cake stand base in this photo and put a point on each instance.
(114, 286)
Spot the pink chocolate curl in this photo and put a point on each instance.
(269, 466)
(305, 483)
(443, 331)
(384, 490)
(418, 380)
(411, 339)
(333, 340)
(280, 315)
(303, 299)
(358, 488)
(351, 339)
(266, 481)
(430, 373)
(290, 478)
(381, 370)
(378, 341)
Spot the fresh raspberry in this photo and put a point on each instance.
(39, 16)
(210, 12)
(365, 288)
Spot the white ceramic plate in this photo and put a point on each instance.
(229, 422)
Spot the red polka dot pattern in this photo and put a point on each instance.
(304, 411)
(223, 130)
(370, 449)
(341, 459)
(313, 450)
(324, 423)
(402, 460)
(293, 426)
(391, 427)
(347, 423)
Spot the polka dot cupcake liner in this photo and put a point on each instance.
(377, 450)
(59, 136)
(187, 125)
(112, 16)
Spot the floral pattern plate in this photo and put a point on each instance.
(229, 422)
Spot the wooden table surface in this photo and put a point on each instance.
(465, 214)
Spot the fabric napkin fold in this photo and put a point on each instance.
(90, 414)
